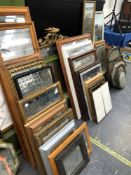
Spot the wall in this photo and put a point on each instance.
(12, 2)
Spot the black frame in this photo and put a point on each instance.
(27, 73)
(79, 141)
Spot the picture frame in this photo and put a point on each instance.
(32, 105)
(88, 17)
(10, 14)
(53, 142)
(69, 47)
(99, 26)
(7, 150)
(48, 131)
(4, 166)
(104, 105)
(40, 122)
(90, 86)
(80, 62)
(63, 145)
(84, 75)
(101, 54)
(30, 80)
(25, 35)
(89, 61)
(75, 153)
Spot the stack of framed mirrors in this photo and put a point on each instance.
(68, 49)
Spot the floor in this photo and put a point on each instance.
(111, 138)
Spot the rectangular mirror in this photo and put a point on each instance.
(88, 17)
(38, 102)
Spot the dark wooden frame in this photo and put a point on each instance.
(63, 145)
(92, 25)
(10, 10)
(28, 98)
(33, 37)
(27, 73)
(65, 64)
(79, 141)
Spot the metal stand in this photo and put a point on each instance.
(114, 17)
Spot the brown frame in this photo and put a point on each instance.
(93, 19)
(53, 125)
(33, 38)
(67, 73)
(90, 84)
(35, 95)
(10, 10)
(36, 124)
(62, 146)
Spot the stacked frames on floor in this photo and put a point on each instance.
(36, 102)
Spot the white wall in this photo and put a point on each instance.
(109, 5)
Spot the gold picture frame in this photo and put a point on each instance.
(32, 105)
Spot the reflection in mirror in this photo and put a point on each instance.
(12, 18)
(15, 43)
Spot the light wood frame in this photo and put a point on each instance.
(27, 99)
(17, 122)
(62, 146)
(67, 48)
(35, 48)
(88, 20)
(14, 11)
(78, 142)
(37, 124)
